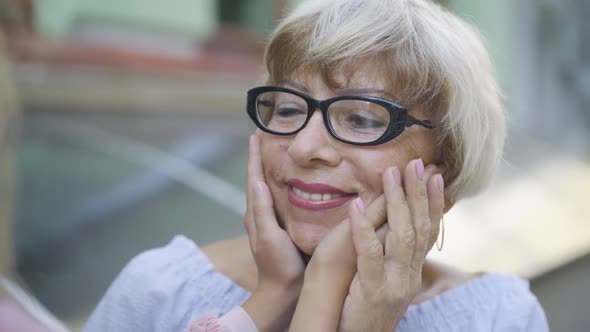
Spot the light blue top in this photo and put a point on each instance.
(164, 289)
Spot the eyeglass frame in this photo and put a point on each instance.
(393, 130)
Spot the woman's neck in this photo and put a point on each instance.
(234, 259)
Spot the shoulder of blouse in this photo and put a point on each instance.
(164, 289)
(492, 302)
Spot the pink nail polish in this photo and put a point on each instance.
(396, 176)
(419, 169)
(441, 182)
(360, 205)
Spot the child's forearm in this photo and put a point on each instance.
(265, 311)
(320, 303)
(271, 309)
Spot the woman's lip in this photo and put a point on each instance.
(317, 205)
(318, 188)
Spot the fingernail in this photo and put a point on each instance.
(360, 205)
(441, 182)
(396, 176)
(419, 169)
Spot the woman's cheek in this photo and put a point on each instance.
(369, 181)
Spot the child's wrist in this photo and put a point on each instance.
(277, 290)
(271, 307)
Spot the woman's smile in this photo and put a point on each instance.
(316, 196)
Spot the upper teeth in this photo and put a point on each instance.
(315, 196)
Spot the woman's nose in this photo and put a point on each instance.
(314, 145)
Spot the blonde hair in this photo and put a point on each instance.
(432, 59)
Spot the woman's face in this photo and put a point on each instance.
(313, 162)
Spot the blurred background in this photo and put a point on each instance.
(122, 123)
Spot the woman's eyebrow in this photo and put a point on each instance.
(366, 91)
(296, 86)
(349, 91)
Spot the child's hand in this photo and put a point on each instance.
(280, 266)
(330, 272)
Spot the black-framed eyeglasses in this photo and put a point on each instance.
(358, 120)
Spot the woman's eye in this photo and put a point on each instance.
(358, 121)
(265, 103)
(287, 111)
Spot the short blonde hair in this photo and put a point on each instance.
(435, 61)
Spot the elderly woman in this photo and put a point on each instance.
(376, 117)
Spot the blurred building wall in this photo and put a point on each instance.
(254, 14)
(494, 19)
(564, 295)
(552, 72)
(192, 18)
(7, 117)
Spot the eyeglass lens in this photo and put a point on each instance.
(353, 120)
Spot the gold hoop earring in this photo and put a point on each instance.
(441, 236)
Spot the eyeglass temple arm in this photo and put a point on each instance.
(410, 121)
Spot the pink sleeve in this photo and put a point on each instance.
(237, 320)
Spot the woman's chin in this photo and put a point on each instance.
(306, 248)
(306, 237)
